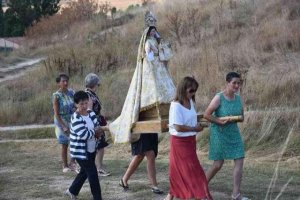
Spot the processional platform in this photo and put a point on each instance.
(156, 120)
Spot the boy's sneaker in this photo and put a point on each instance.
(102, 172)
(69, 194)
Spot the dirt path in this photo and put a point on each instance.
(11, 72)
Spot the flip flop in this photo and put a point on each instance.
(238, 196)
(156, 190)
(125, 187)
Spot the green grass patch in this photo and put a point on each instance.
(40, 133)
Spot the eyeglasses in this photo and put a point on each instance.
(192, 91)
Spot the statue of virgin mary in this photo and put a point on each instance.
(150, 86)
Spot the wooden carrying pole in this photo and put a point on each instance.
(232, 118)
(161, 125)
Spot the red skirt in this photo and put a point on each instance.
(187, 178)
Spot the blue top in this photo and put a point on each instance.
(66, 106)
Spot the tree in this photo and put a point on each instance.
(132, 7)
(45, 7)
(1, 20)
(22, 14)
(175, 23)
(146, 2)
(113, 11)
(12, 25)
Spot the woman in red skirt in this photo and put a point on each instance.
(187, 178)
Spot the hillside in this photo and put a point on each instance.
(259, 39)
(119, 4)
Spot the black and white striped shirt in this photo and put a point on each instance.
(80, 134)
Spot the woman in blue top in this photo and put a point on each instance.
(63, 106)
(225, 139)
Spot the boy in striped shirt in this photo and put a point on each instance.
(84, 132)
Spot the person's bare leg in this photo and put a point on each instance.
(64, 155)
(150, 155)
(73, 166)
(99, 158)
(135, 162)
(72, 161)
(169, 197)
(237, 175)
(212, 171)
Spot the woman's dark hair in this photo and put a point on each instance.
(80, 96)
(186, 83)
(149, 30)
(232, 75)
(62, 75)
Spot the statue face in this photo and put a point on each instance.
(152, 33)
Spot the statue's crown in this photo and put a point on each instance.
(150, 19)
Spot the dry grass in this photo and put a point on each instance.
(123, 4)
(119, 4)
(265, 131)
(40, 133)
(257, 38)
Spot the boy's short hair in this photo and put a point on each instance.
(80, 96)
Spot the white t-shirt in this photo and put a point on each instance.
(91, 143)
(180, 115)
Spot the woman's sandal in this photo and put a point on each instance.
(125, 187)
(237, 197)
(156, 190)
